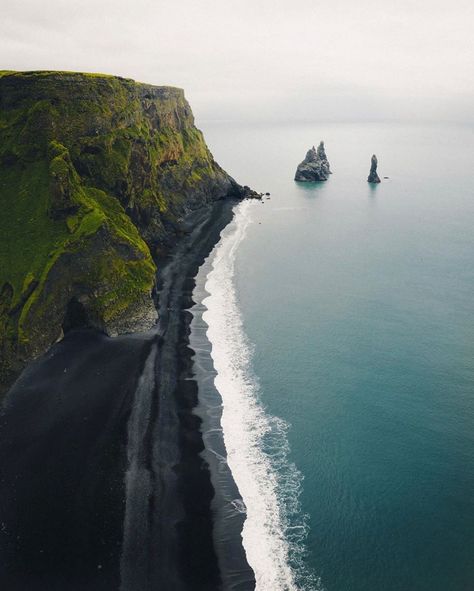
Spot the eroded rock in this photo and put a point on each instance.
(373, 176)
(315, 166)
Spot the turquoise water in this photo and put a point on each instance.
(358, 302)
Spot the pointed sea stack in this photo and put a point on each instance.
(315, 167)
(373, 176)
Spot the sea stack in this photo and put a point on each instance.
(315, 167)
(373, 176)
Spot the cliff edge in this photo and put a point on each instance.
(96, 173)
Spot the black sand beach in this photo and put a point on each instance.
(102, 484)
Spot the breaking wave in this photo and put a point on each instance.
(257, 446)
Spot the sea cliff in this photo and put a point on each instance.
(96, 175)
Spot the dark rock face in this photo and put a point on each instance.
(373, 176)
(315, 167)
(97, 173)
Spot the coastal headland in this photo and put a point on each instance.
(114, 202)
(97, 173)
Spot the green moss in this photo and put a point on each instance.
(81, 156)
(72, 222)
(29, 279)
(28, 234)
(90, 223)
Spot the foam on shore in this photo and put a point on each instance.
(256, 443)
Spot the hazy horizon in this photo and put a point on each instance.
(275, 60)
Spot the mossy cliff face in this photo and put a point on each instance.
(95, 174)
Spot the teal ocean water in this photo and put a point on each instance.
(349, 351)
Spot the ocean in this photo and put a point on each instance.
(340, 317)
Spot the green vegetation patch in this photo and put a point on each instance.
(95, 173)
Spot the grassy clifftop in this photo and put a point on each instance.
(95, 173)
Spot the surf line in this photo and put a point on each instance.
(256, 443)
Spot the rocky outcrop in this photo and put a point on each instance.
(315, 167)
(96, 174)
(373, 176)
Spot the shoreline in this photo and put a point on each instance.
(72, 410)
(257, 485)
(227, 504)
(193, 385)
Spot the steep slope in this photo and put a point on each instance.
(96, 173)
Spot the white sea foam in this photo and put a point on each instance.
(256, 443)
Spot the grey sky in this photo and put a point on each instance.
(261, 59)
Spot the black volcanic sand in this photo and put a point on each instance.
(81, 416)
(62, 442)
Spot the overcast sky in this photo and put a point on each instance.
(263, 59)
